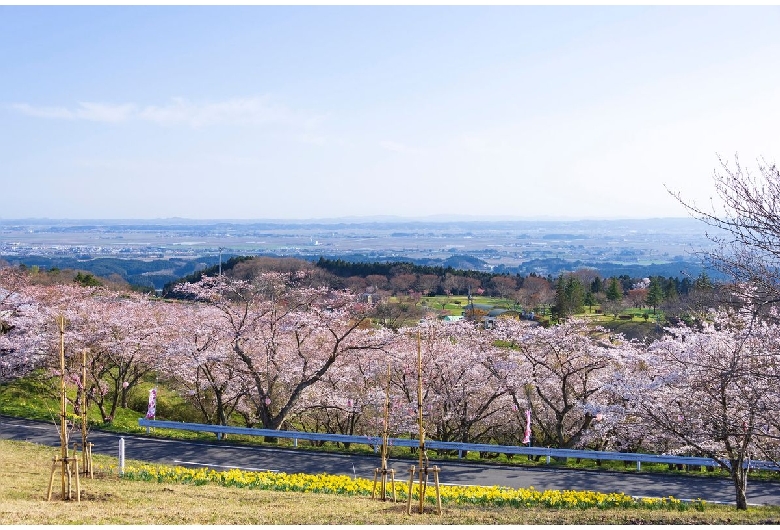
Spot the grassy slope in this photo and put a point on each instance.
(25, 469)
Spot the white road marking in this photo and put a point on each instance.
(200, 444)
(226, 467)
(30, 426)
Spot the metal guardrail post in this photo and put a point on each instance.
(121, 456)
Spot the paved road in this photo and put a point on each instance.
(220, 456)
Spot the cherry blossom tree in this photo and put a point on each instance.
(401, 283)
(348, 400)
(561, 372)
(285, 336)
(32, 343)
(714, 390)
(200, 363)
(124, 334)
(23, 345)
(462, 391)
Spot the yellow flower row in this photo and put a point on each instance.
(345, 485)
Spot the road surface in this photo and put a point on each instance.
(222, 456)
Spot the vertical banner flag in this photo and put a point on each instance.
(527, 437)
(152, 410)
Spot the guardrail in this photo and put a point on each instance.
(376, 441)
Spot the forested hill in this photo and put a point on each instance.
(147, 273)
(161, 273)
(345, 269)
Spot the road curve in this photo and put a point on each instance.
(222, 456)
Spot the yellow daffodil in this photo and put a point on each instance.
(345, 485)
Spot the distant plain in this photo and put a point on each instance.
(652, 239)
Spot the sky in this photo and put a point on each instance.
(262, 112)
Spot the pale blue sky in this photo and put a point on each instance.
(313, 112)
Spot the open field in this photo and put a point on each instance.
(632, 322)
(25, 468)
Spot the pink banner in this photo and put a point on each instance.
(152, 410)
(527, 437)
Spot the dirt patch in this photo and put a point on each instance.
(87, 496)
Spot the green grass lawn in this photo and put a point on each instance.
(455, 305)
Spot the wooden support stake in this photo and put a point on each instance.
(421, 489)
(422, 453)
(438, 494)
(51, 478)
(70, 477)
(78, 484)
(411, 485)
(86, 458)
(71, 471)
(89, 461)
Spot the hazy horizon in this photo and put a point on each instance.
(365, 218)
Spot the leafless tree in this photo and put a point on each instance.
(504, 285)
(537, 292)
(745, 227)
(377, 281)
(427, 283)
(401, 283)
(453, 283)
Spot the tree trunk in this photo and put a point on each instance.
(739, 476)
(101, 407)
(114, 405)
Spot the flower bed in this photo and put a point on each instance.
(345, 485)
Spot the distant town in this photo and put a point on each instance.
(157, 251)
